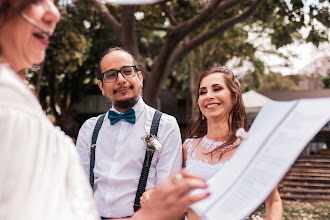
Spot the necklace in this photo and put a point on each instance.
(210, 145)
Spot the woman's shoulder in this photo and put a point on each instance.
(190, 140)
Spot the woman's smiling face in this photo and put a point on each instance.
(215, 99)
(22, 43)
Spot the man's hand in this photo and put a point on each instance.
(172, 197)
(146, 196)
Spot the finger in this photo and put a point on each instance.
(143, 199)
(187, 200)
(189, 184)
(142, 203)
(191, 199)
(190, 181)
(186, 175)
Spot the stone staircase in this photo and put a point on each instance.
(307, 180)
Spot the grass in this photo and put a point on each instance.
(299, 211)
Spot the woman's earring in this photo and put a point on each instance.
(203, 117)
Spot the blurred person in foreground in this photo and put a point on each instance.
(41, 176)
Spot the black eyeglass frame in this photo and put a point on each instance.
(119, 71)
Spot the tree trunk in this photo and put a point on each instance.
(192, 83)
(128, 38)
(160, 72)
(67, 122)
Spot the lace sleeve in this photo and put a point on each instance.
(191, 144)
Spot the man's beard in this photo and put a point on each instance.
(125, 104)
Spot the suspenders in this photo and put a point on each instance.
(145, 169)
(93, 146)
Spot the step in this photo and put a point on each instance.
(314, 160)
(316, 156)
(306, 179)
(309, 174)
(309, 170)
(311, 162)
(303, 184)
(304, 191)
(304, 197)
(305, 165)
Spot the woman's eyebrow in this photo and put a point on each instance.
(214, 85)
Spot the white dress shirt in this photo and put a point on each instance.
(119, 158)
(41, 177)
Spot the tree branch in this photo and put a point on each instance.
(150, 27)
(168, 13)
(107, 16)
(181, 51)
(215, 9)
(223, 6)
(184, 28)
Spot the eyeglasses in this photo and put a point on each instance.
(110, 76)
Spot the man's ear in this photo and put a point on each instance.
(140, 75)
(100, 83)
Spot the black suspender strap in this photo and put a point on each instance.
(93, 146)
(145, 169)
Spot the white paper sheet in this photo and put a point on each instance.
(278, 135)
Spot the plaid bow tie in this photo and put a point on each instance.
(128, 116)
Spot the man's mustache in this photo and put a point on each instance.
(123, 87)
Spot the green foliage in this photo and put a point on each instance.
(300, 210)
(326, 81)
(277, 82)
(296, 78)
(317, 36)
(270, 82)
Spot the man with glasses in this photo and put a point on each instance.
(120, 147)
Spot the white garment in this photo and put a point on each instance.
(41, 177)
(196, 164)
(119, 157)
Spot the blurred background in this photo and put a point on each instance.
(278, 49)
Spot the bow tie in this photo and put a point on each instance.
(128, 116)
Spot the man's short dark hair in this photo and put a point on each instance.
(98, 72)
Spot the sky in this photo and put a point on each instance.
(303, 54)
(300, 54)
(302, 58)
